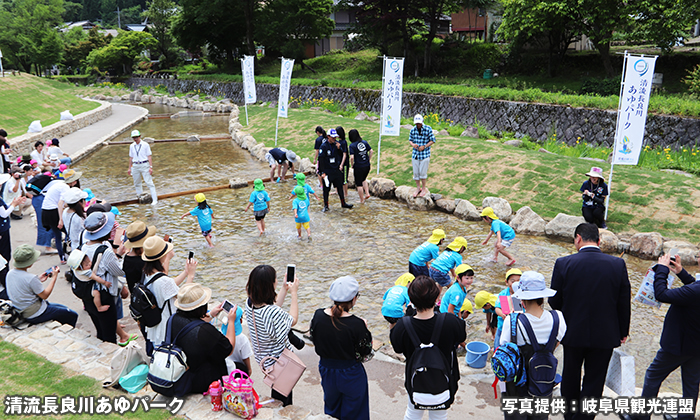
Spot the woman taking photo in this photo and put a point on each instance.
(594, 192)
(74, 215)
(136, 235)
(343, 342)
(268, 323)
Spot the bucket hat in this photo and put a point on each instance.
(192, 296)
(199, 197)
(74, 195)
(405, 279)
(488, 212)
(344, 289)
(484, 297)
(436, 236)
(596, 172)
(418, 119)
(532, 286)
(71, 175)
(291, 156)
(75, 259)
(155, 248)
(258, 185)
(300, 192)
(25, 255)
(137, 233)
(457, 244)
(98, 225)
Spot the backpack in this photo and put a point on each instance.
(9, 315)
(37, 184)
(144, 306)
(83, 289)
(542, 366)
(429, 380)
(507, 362)
(124, 361)
(168, 367)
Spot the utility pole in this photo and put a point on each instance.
(119, 18)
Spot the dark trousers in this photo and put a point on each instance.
(6, 252)
(595, 363)
(345, 389)
(520, 391)
(285, 400)
(50, 219)
(105, 322)
(664, 363)
(334, 179)
(57, 312)
(594, 215)
(418, 270)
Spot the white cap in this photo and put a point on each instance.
(135, 133)
(418, 119)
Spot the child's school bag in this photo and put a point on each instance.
(507, 362)
(144, 307)
(542, 366)
(429, 380)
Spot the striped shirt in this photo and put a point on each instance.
(269, 332)
(421, 139)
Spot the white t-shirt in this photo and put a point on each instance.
(8, 195)
(54, 194)
(55, 152)
(241, 352)
(23, 289)
(542, 327)
(37, 157)
(164, 290)
(139, 152)
(74, 226)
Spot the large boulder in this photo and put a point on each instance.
(405, 193)
(563, 226)
(237, 183)
(137, 96)
(248, 142)
(234, 125)
(445, 204)
(362, 116)
(500, 206)
(306, 165)
(647, 245)
(260, 154)
(255, 150)
(208, 107)
(382, 187)
(609, 242)
(467, 211)
(686, 250)
(527, 222)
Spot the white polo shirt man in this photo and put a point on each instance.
(141, 165)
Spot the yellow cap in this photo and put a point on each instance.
(199, 197)
(467, 306)
(488, 212)
(462, 268)
(513, 272)
(457, 244)
(405, 279)
(484, 297)
(436, 236)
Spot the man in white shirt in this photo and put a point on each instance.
(39, 156)
(141, 165)
(15, 187)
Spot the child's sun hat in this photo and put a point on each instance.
(404, 279)
(258, 185)
(457, 244)
(484, 297)
(199, 197)
(300, 193)
(488, 212)
(513, 272)
(463, 268)
(436, 236)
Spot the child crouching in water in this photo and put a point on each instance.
(204, 215)
(396, 298)
(301, 211)
(260, 200)
(454, 297)
(505, 235)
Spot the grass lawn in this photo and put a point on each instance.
(24, 373)
(28, 98)
(642, 200)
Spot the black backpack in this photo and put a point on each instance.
(144, 307)
(429, 381)
(542, 366)
(83, 289)
(37, 184)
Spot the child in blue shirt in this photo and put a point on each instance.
(301, 181)
(454, 297)
(505, 235)
(204, 215)
(396, 298)
(261, 204)
(467, 309)
(512, 277)
(487, 301)
(447, 261)
(419, 261)
(301, 211)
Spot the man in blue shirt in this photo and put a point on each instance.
(421, 138)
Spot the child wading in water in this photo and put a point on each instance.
(301, 211)
(260, 201)
(301, 181)
(505, 235)
(204, 215)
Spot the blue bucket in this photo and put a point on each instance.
(477, 353)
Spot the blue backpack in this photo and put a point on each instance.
(542, 366)
(507, 362)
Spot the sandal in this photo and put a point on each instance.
(129, 340)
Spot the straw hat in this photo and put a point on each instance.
(191, 296)
(137, 233)
(436, 236)
(155, 248)
(71, 176)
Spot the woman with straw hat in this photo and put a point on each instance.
(136, 234)
(157, 254)
(594, 190)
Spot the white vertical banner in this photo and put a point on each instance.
(248, 67)
(391, 96)
(285, 81)
(632, 112)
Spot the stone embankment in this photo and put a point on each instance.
(189, 101)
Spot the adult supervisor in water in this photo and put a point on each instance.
(141, 165)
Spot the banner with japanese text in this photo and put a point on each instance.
(285, 81)
(247, 66)
(632, 113)
(391, 96)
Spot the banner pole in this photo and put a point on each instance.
(617, 127)
(246, 114)
(277, 125)
(381, 114)
(379, 150)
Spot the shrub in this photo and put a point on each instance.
(602, 87)
(693, 81)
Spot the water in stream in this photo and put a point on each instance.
(371, 242)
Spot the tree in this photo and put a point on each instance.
(432, 13)
(121, 53)
(72, 12)
(161, 14)
(598, 19)
(78, 44)
(664, 22)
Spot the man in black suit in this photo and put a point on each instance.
(593, 293)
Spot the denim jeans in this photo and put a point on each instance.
(56, 312)
(43, 236)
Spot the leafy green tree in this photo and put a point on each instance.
(121, 53)
(72, 12)
(78, 44)
(161, 14)
(664, 22)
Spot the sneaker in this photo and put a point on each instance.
(325, 209)
(346, 206)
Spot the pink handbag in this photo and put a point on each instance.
(284, 374)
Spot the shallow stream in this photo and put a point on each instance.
(371, 242)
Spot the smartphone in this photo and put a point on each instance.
(673, 253)
(291, 272)
(118, 237)
(227, 306)
(191, 255)
(167, 238)
(49, 272)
